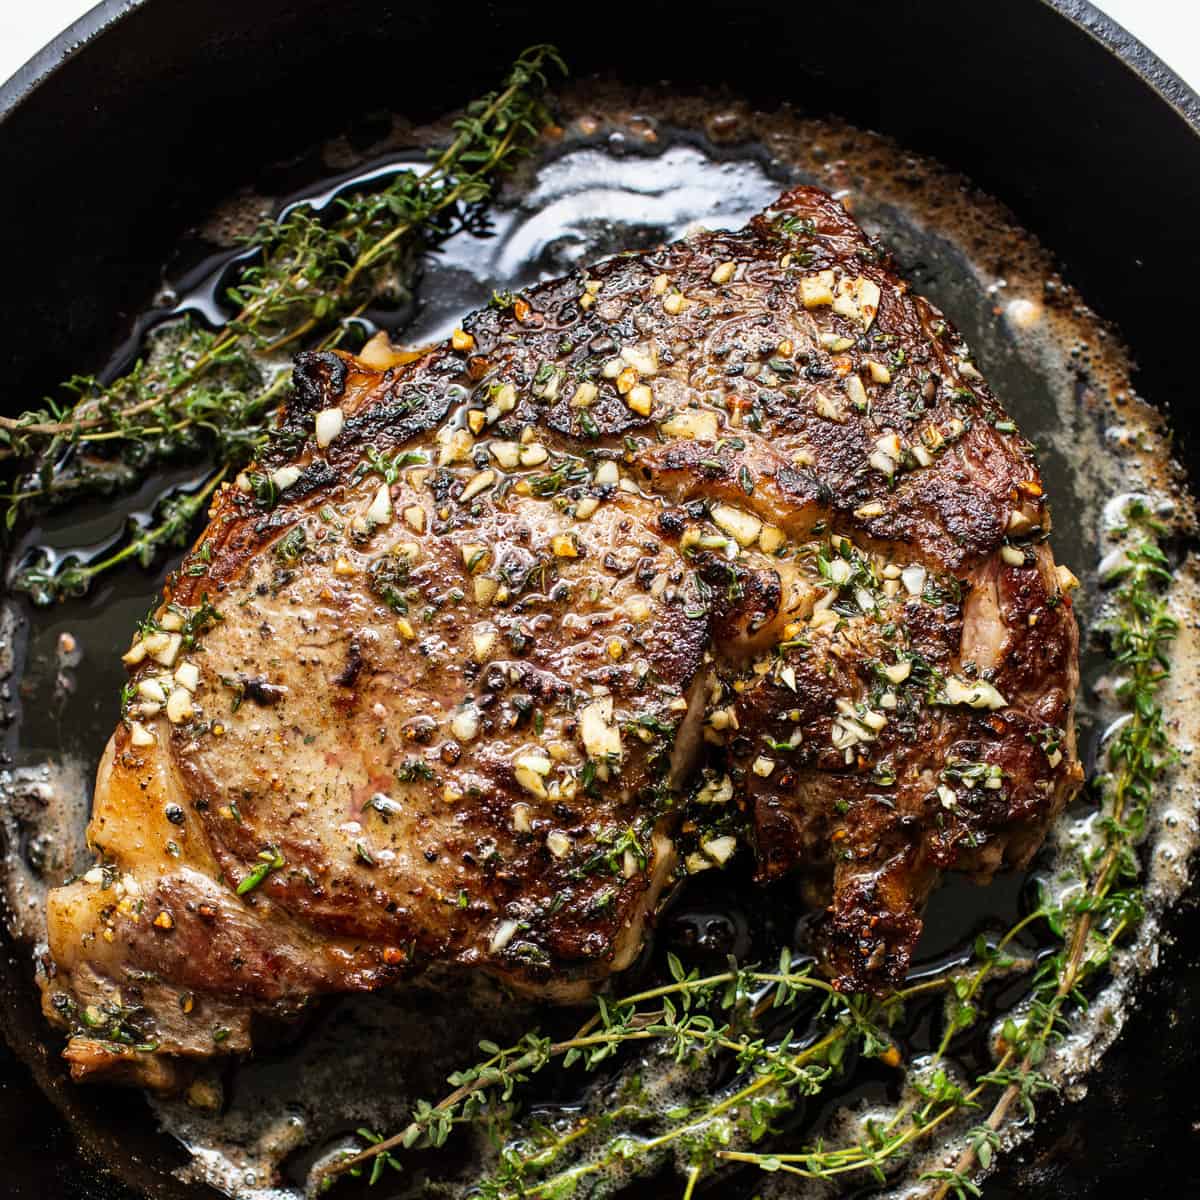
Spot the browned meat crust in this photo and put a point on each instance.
(432, 686)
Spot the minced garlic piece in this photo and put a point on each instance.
(698, 424)
(329, 423)
(478, 483)
(816, 291)
(743, 527)
(598, 731)
(640, 399)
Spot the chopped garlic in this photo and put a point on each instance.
(720, 849)
(973, 693)
(465, 723)
(558, 844)
(607, 472)
(817, 290)
(585, 395)
(531, 781)
(330, 422)
(638, 608)
(135, 654)
(840, 571)
(763, 766)
(188, 676)
(743, 527)
(913, 577)
(414, 518)
(507, 454)
(478, 483)
(698, 424)
(829, 407)
(483, 640)
(505, 399)
(284, 477)
(547, 390)
(771, 538)
(474, 555)
(874, 720)
(139, 735)
(643, 358)
(724, 272)
(640, 399)
(152, 690)
(1013, 556)
(456, 446)
(858, 300)
(179, 706)
(1066, 578)
(598, 731)
(380, 510)
(854, 389)
(502, 935)
(167, 651)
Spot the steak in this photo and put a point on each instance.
(452, 675)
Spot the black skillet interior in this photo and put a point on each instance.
(168, 108)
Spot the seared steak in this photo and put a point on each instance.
(733, 523)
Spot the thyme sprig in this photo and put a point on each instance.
(691, 1021)
(1091, 925)
(681, 1017)
(214, 392)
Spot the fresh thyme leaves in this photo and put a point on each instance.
(268, 860)
(689, 1018)
(46, 580)
(213, 394)
(778, 1036)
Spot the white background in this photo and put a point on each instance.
(1171, 28)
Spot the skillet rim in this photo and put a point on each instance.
(1166, 84)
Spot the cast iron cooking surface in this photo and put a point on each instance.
(145, 130)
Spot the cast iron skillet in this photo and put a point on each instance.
(144, 114)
